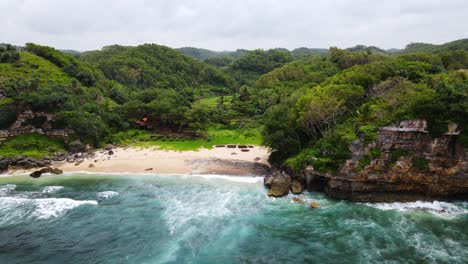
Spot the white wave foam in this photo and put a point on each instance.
(43, 208)
(106, 194)
(196, 205)
(5, 189)
(441, 209)
(245, 179)
(51, 189)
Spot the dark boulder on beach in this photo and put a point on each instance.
(39, 173)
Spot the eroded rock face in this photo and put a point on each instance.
(22, 126)
(296, 186)
(407, 164)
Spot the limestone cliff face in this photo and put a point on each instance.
(404, 164)
(23, 125)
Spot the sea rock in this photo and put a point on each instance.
(314, 205)
(257, 159)
(280, 185)
(110, 152)
(38, 173)
(268, 181)
(91, 165)
(298, 200)
(296, 186)
(4, 163)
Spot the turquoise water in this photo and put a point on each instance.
(189, 219)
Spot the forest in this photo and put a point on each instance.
(308, 105)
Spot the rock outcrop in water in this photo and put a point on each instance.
(404, 164)
(279, 184)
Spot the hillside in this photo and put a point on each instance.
(102, 96)
(461, 44)
(88, 100)
(201, 54)
(204, 54)
(154, 66)
(303, 52)
(250, 66)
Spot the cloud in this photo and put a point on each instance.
(227, 25)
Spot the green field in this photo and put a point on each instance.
(214, 136)
(212, 102)
(30, 145)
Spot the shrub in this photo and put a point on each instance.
(31, 145)
(420, 164)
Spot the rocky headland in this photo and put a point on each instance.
(404, 164)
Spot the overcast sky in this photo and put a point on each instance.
(228, 25)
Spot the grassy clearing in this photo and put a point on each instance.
(215, 136)
(30, 145)
(31, 67)
(212, 102)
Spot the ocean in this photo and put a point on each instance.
(127, 218)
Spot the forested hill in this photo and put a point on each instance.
(155, 66)
(309, 107)
(213, 57)
(103, 92)
(203, 54)
(461, 44)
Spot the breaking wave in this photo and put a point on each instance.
(441, 209)
(21, 209)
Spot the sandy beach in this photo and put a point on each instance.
(221, 160)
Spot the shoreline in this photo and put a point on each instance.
(132, 160)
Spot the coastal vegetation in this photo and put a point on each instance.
(308, 105)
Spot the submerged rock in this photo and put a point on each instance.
(298, 200)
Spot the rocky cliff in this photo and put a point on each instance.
(405, 163)
(28, 122)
